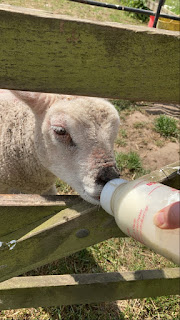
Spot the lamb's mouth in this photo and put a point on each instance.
(93, 199)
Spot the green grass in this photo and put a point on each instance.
(130, 161)
(77, 10)
(173, 5)
(120, 142)
(153, 308)
(140, 125)
(63, 188)
(166, 126)
(159, 143)
(123, 133)
(124, 105)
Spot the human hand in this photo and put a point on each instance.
(168, 217)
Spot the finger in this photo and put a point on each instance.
(168, 217)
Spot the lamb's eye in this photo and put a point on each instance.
(60, 130)
(63, 136)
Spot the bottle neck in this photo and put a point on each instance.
(107, 193)
(118, 192)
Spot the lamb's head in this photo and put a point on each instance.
(74, 140)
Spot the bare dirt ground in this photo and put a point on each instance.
(154, 150)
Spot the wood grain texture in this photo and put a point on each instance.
(53, 237)
(53, 53)
(168, 175)
(20, 212)
(26, 292)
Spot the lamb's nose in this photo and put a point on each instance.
(106, 174)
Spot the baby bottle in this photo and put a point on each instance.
(134, 204)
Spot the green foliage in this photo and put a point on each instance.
(130, 161)
(139, 4)
(63, 187)
(161, 305)
(173, 5)
(123, 133)
(121, 105)
(121, 142)
(166, 126)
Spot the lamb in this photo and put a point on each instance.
(45, 136)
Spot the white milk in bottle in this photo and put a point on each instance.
(134, 204)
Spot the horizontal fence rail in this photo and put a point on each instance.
(46, 291)
(52, 53)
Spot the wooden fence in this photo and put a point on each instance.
(50, 53)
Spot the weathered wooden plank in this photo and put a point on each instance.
(168, 175)
(22, 200)
(60, 235)
(45, 291)
(20, 211)
(53, 53)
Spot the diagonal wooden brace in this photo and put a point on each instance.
(53, 236)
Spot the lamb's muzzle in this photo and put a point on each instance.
(106, 174)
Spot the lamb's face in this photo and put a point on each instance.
(78, 138)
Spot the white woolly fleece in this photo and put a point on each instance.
(44, 136)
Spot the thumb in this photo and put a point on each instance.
(168, 217)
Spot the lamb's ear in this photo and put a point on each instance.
(37, 101)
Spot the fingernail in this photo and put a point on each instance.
(159, 219)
